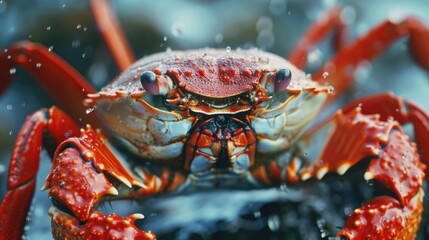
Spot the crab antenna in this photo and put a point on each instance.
(112, 33)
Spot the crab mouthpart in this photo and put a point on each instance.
(227, 105)
(211, 110)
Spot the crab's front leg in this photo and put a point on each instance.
(350, 137)
(25, 163)
(394, 163)
(87, 172)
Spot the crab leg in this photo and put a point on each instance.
(64, 84)
(112, 33)
(24, 165)
(339, 71)
(330, 21)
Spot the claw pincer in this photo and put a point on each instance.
(78, 181)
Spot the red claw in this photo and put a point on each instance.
(384, 218)
(399, 168)
(76, 184)
(98, 226)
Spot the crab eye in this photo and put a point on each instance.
(156, 85)
(283, 77)
(149, 82)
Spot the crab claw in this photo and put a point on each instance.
(80, 179)
(400, 170)
(97, 226)
(384, 218)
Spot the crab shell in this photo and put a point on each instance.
(154, 132)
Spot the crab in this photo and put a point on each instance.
(214, 117)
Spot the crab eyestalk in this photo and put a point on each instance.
(271, 82)
(278, 81)
(156, 84)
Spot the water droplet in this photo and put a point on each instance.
(83, 55)
(264, 23)
(39, 211)
(64, 5)
(263, 60)
(397, 16)
(78, 26)
(177, 29)
(362, 71)
(219, 38)
(228, 49)
(265, 39)
(38, 65)
(274, 223)
(325, 74)
(30, 36)
(348, 15)
(257, 214)
(12, 71)
(3, 7)
(10, 133)
(403, 47)
(48, 28)
(68, 134)
(89, 110)
(347, 210)
(84, 29)
(2, 168)
(315, 58)
(168, 49)
(277, 7)
(330, 3)
(75, 43)
(165, 38)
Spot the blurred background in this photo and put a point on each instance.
(66, 28)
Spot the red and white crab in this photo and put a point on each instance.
(218, 116)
